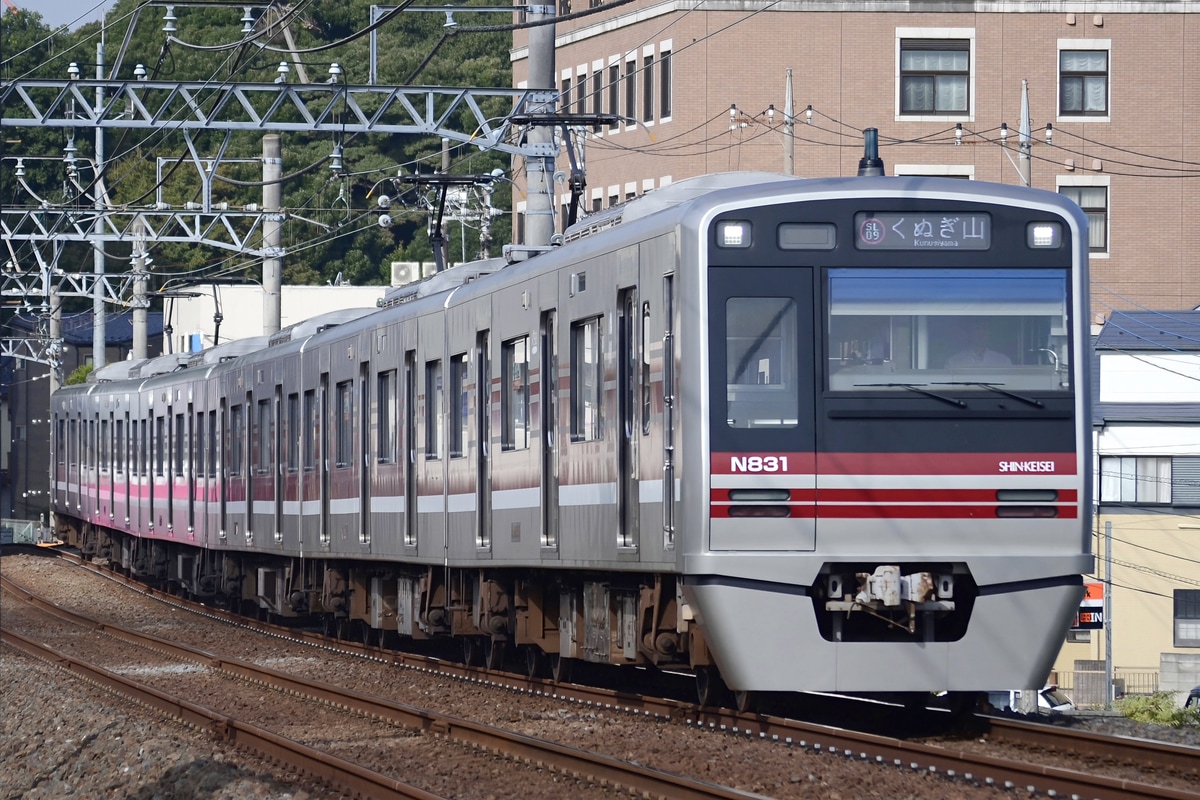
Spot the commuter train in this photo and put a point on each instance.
(786, 434)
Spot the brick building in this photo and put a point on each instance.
(1116, 83)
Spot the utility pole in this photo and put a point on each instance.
(789, 129)
(1026, 139)
(272, 233)
(539, 169)
(1108, 659)
(99, 320)
(140, 306)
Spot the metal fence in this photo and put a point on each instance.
(1087, 688)
(23, 531)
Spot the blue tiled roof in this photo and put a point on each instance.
(1151, 330)
(1145, 332)
(77, 328)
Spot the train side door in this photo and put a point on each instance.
(762, 397)
(365, 459)
(548, 405)
(483, 431)
(410, 448)
(278, 462)
(326, 532)
(628, 345)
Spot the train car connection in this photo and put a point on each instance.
(788, 434)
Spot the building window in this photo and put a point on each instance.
(1141, 481)
(631, 92)
(648, 88)
(597, 91)
(964, 172)
(458, 405)
(388, 423)
(935, 76)
(564, 97)
(581, 93)
(664, 85)
(614, 93)
(1094, 202)
(586, 379)
(1083, 82)
(1187, 617)
(514, 395)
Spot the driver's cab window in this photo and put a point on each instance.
(760, 362)
(947, 329)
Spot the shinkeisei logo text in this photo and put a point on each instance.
(1027, 466)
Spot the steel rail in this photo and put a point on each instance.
(954, 764)
(305, 760)
(572, 761)
(1145, 753)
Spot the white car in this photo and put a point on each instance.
(1050, 699)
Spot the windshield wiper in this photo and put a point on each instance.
(914, 387)
(996, 388)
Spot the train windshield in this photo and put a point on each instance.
(760, 362)
(960, 329)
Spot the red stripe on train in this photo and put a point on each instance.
(807, 511)
(888, 495)
(782, 463)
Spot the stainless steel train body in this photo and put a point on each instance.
(724, 426)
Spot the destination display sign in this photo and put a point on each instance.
(922, 230)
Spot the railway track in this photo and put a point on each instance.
(588, 769)
(963, 764)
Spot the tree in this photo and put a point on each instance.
(331, 215)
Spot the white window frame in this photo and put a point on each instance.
(936, 170)
(668, 86)
(1093, 180)
(1081, 44)
(972, 71)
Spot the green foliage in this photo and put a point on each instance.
(79, 374)
(330, 219)
(1158, 709)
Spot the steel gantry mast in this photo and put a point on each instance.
(189, 108)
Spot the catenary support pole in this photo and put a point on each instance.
(272, 269)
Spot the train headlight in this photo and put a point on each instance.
(733, 233)
(1043, 235)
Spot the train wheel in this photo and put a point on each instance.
(560, 668)
(710, 689)
(493, 653)
(470, 651)
(745, 701)
(344, 629)
(329, 625)
(368, 634)
(533, 661)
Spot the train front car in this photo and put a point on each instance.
(889, 491)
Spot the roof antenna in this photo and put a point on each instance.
(870, 165)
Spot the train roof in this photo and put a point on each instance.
(670, 196)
